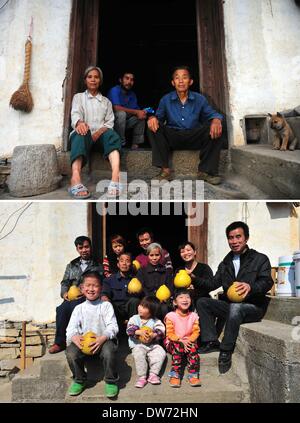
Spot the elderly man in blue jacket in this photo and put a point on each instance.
(185, 121)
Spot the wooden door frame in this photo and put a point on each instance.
(83, 52)
(211, 53)
(198, 234)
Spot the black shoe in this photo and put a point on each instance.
(209, 347)
(224, 361)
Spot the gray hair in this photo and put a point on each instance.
(152, 247)
(90, 68)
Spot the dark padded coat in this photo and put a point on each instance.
(73, 273)
(255, 269)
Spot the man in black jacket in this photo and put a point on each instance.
(252, 271)
(72, 276)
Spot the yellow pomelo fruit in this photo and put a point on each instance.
(145, 329)
(182, 279)
(136, 264)
(134, 286)
(233, 295)
(88, 338)
(163, 293)
(74, 292)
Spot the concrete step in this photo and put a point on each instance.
(50, 378)
(283, 309)
(276, 173)
(268, 361)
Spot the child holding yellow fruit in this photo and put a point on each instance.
(97, 318)
(145, 331)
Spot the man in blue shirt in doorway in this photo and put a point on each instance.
(128, 114)
(185, 121)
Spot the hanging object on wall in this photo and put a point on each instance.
(22, 98)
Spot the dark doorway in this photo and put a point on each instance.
(169, 230)
(149, 38)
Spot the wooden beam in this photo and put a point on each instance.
(83, 49)
(23, 347)
(90, 220)
(103, 232)
(211, 52)
(198, 235)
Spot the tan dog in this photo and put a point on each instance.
(284, 137)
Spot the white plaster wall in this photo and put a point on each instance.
(39, 247)
(263, 58)
(49, 61)
(274, 230)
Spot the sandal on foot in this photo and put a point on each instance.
(167, 176)
(113, 189)
(76, 189)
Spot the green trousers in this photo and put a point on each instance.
(81, 145)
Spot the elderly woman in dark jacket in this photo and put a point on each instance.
(154, 275)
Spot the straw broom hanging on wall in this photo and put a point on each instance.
(22, 98)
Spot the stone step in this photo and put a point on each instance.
(267, 359)
(138, 168)
(44, 381)
(49, 379)
(138, 163)
(274, 172)
(283, 309)
(214, 388)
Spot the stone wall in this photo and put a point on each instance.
(39, 336)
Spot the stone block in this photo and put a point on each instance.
(53, 369)
(17, 325)
(34, 351)
(275, 173)
(64, 163)
(272, 361)
(31, 328)
(33, 340)
(9, 364)
(9, 332)
(33, 389)
(15, 345)
(9, 353)
(40, 325)
(51, 325)
(282, 309)
(6, 324)
(294, 123)
(47, 332)
(34, 170)
(7, 339)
